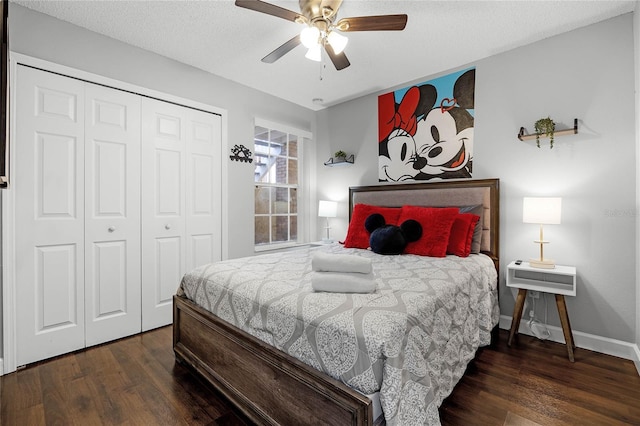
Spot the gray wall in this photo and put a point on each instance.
(586, 74)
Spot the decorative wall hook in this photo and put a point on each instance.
(241, 153)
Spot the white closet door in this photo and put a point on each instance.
(181, 223)
(112, 214)
(49, 212)
(163, 209)
(203, 188)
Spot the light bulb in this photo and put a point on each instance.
(309, 37)
(337, 41)
(314, 53)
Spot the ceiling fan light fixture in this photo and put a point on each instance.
(337, 41)
(309, 37)
(314, 53)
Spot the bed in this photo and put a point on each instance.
(265, 362)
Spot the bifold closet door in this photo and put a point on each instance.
(112, 214)
(77, 212)
(49, 215)
(181, 222)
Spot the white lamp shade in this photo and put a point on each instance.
(309, 37)
(314, 53)
(327, 208)
(542, 210)
(337, 41)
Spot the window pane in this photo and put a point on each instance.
(278, 138)
(281, 203)
(261, 157)
(261, 133)
(293, 172)
(262, 230)
(280, 170)
(293, 146)
(293, 200)
(280, 229)
(262, 200)
(294, 228)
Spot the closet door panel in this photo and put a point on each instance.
(112, 214)
(163, 217)
(204, 222)
(181, 189)
(49, 215)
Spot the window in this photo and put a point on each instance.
(277, 184)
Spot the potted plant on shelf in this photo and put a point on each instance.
(339, 158)
(544, 127)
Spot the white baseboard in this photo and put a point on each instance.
(591, 342)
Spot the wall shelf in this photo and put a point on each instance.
(524, 137)
(340, 161)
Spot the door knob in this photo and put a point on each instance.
(111, 228)
(167, 226)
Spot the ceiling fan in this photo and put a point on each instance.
(320, 30)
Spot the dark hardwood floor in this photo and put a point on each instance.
(135, 381)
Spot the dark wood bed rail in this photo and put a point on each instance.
(268, 386)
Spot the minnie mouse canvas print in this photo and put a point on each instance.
(426, 131)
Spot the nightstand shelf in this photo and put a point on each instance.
(560, 281)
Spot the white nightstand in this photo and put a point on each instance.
(560, 281)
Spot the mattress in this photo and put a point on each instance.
(410, 340)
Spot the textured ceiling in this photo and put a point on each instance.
(218, 37)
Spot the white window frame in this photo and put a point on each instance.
(304, 138)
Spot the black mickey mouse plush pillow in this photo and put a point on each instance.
(391, 239)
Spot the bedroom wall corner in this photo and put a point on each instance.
(347, 127)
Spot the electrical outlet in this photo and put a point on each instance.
(534, 294)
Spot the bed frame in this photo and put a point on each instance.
(271, 387)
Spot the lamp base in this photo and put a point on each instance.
(542, 263)
(327, 241)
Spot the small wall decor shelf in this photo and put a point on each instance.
(340, 161)
(524, 137)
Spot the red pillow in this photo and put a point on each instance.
(436, 228)
(461, 235)
(357, 235)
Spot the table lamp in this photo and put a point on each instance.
(543, 211)
(327, 209)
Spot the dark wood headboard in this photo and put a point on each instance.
(447, 193)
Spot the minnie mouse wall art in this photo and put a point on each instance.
(426, 131)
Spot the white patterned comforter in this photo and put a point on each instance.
(411, 340)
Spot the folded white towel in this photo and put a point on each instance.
(338, 282)
(326, 262)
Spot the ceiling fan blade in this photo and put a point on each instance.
(282, 50)
(339, 60)
(269, 9)
(373, 23)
